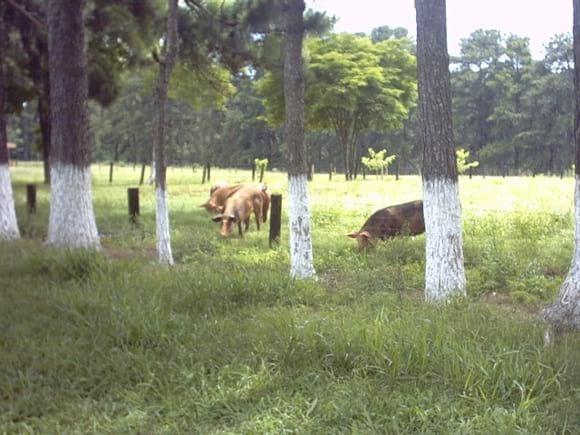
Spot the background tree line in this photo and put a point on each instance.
(511, 112)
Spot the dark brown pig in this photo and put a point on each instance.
(239, 207)
(387, 222)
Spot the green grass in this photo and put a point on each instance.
(225, 342)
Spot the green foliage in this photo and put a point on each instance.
(462, 164)
(261, 164)
(378, 162)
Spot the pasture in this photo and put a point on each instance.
(225, 342)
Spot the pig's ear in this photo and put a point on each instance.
(353, 235)
(365, 234)
(206, 205)
(217, 217)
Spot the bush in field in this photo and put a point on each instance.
(261, 165)
(462, 164)
(378, 162)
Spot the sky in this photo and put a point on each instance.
(537, 19)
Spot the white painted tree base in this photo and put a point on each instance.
(301, 258)
(164, 253)
(8, 223)
(72, 219)
(444, 268)
(565, 312)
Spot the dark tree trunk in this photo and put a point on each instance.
(565, 312)
(35, 44)
(72, 220)
(444, 275)
(301, 263)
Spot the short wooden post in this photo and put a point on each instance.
(275, 218)
(203, 177)
(208, 171)
(261, 173)
(133, 197)
(254, 171)
(31, 198)
(470, 173)
(330, 171)
(111, 165)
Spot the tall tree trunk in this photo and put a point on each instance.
(565, 312)
(166, 65)
(34, 43)
(72, 219)
(8, 223)
(301, 258)
(444, 274)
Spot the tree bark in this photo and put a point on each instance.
(444, 268)
(72, 220)
(301, 257)
(565, 312)
(34, 43)
(8, 223)
(166, 65)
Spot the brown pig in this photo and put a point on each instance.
(218, 197)
(239, 207)
(217, 186)
(387, 222)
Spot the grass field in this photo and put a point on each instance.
(225, 342)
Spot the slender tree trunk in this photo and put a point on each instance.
(301, 257)
(8, 223)
(565, 312)
(166, 65)
(445, 274)
(72, 220)
(34, 43)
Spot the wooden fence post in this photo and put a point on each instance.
(133, 199)
(31, 198)
(208, 171)
(330, 171)
(204, 174)
(275, 218)
(254, 171)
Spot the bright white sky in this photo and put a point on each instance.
(537, 19)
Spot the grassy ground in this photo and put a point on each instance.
(224, 342)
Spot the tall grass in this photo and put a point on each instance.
(225, 342)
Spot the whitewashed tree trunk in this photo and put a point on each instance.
(166, 64)
(162, 223)
(72, 218)
(8, 223)
(444, 270)
(565, 312)
(301, 258)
